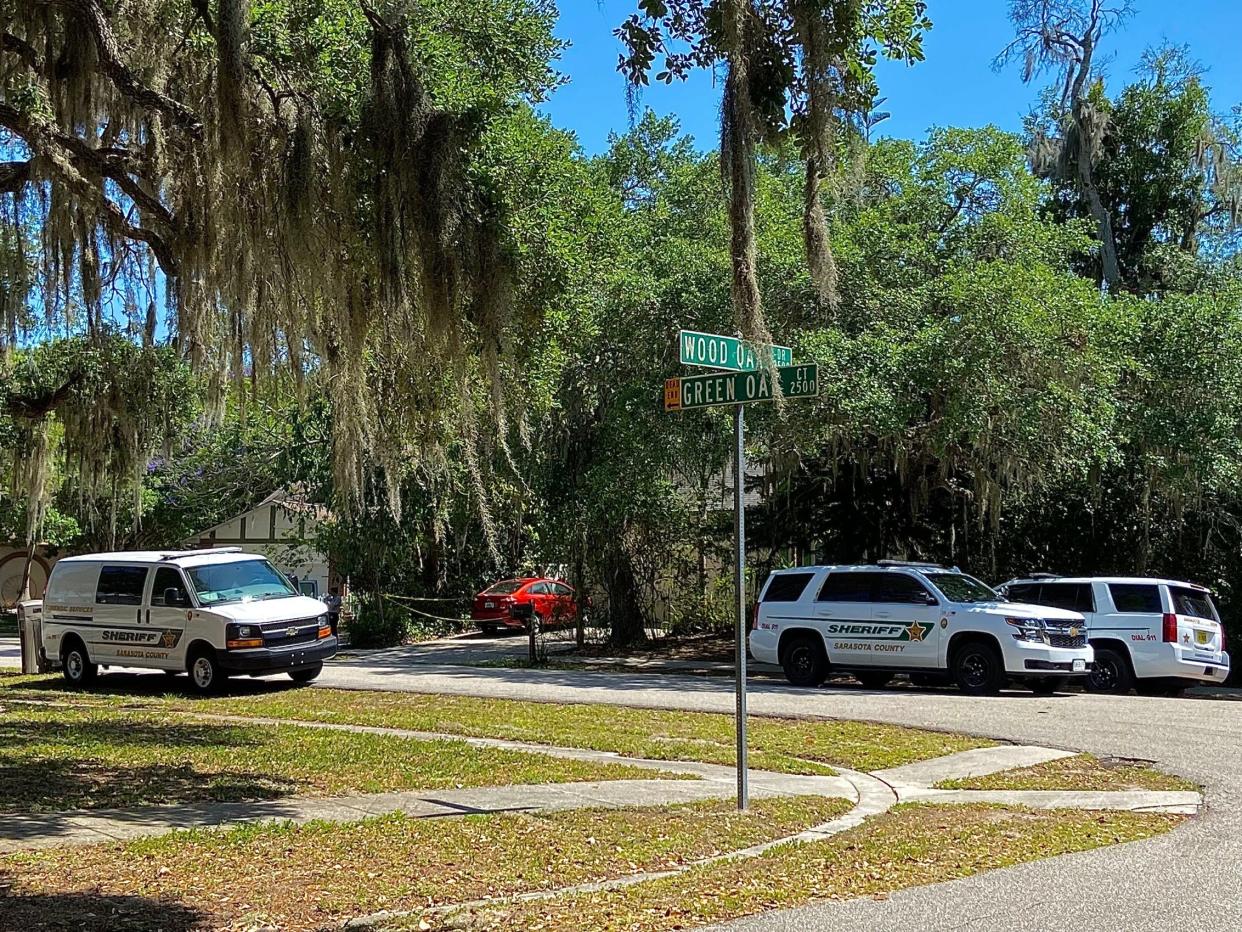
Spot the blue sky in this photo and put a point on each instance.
(954, 86)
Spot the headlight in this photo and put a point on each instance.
(242, 637)
(1028, 629)
(322, 620)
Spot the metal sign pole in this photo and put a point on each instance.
(739, 524)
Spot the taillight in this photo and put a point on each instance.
(754, 616)
(1169, 625)
(1222, 638)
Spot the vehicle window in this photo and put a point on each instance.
(900, 588)
(166, 577)
(506, 587)
(786, 587)
(121, 585)
(561, 589)
(1192, 602)
(540, 588)
(1136, 597)
(1023, 592)
(1076, 597)
(242, 581)
(958, 587)
(847, 587)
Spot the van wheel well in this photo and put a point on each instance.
(196, 648)
(72, 640)
(789, 635)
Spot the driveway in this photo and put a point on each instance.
(1184, 880)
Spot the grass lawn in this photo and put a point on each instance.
(56, 758)
(908, 846)
(786, 745)
(1081, 772)
(306, 877)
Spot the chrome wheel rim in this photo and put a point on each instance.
(74, 665)
(203, 673)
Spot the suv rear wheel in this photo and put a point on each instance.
(1110, 673)
(978, 669)
(803, 660)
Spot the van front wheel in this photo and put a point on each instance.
(206, 677)
(306, 674)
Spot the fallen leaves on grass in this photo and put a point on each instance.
(303, 877)
(908, 846)
(58, 758)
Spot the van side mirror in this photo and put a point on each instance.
(175, 597)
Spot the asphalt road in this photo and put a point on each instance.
(1189, 879)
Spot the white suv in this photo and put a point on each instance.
(1156, 635)
(916, 618)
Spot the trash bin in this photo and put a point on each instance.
(30, 630)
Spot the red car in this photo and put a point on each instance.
(554, 603)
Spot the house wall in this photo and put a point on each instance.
(283, 535)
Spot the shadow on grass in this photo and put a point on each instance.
(78, 911)
(156, 685)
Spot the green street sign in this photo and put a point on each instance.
(731, 388)
(718, 352)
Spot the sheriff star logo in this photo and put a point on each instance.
(917, 631)
(1185, 638)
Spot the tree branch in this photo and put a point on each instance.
(35, 407)
(13, 175)
(126, 81)
(73, 160)
(22, 49)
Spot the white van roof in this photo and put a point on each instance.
(174, 557)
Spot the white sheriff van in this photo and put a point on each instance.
(1154, 635)
(211, 613)
(917, 618)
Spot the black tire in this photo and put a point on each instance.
(206, 677)
(874, 680)
(1046, 685)
(978, 669)
(804, 660)
(75, 664)
(1111, 672)
(306, 674)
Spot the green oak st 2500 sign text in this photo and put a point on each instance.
(730, 388)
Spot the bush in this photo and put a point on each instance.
(395, 625)
(374, 626)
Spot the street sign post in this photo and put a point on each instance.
(730, 388)
(713, 351)
(749, 379)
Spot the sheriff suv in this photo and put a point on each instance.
(926, 620)
(1157, 636)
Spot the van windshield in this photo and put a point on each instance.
(243, 581)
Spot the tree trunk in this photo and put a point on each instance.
(625, 621)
